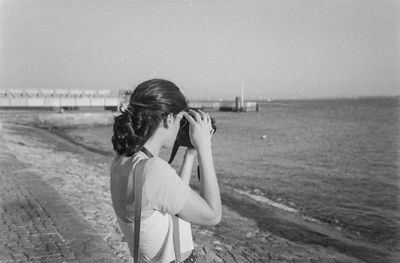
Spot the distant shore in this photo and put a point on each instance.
(245, 234)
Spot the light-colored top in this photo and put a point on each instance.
(163, 194)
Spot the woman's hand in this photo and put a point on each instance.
(200, 130)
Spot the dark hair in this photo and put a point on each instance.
(150, 103)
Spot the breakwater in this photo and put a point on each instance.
(46, 119)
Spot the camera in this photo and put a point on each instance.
(183, 137)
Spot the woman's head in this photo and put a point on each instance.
(150, 105)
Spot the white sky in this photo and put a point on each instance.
(211, 49)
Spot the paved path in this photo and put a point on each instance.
(37, 225)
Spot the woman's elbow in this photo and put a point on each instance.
(216, 219)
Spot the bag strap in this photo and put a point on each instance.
(174, 150)
(177, 242)
(138, 175)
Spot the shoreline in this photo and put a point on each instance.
(253, 228)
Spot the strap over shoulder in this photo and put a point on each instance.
(177, 242)
(138, 176)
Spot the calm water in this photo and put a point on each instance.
(336, 161)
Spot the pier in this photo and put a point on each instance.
(74, 99)
(57, 98)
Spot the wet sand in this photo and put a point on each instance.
(251, 231)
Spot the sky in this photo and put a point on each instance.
(210, 49)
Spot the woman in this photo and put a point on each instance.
(151, 121)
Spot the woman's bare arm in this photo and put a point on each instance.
(204, 208)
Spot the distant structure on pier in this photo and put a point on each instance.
(241, 105)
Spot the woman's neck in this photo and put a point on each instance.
(153, 147)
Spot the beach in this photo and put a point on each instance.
(78, 171)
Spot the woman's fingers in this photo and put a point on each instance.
(205, 116)
(201, 118)
(207, 119)
(200, 128)
(196, 115)
(189, 118)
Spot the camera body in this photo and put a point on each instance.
(183, 137)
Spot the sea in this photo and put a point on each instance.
(334, 162)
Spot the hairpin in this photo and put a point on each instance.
(130, 110)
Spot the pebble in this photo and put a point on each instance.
(219, 249)
(249, 234)
(216, 242)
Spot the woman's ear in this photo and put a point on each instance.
(167, 121)
(170, 118)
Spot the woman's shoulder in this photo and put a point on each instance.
(122, 162)
(153, 167)
(157, 164)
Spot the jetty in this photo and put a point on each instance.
(57, 99)
(105, 99)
